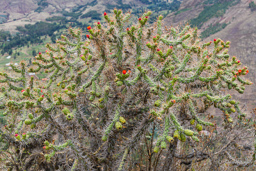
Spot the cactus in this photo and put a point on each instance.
(168, 74)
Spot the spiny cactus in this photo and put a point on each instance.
(106, 92)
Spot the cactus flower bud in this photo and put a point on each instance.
(170, 139)
(156, 149)
(122, 120)
(188, 132)
(28, 121)
(24, 135)
(192, 121)
(47, 143)
(199, 127)
(118, 126)
(176, 134)
(69, 116)
(233, 110)
(232, 102)
(105, 13)
(30, 116)
(17, 136)
(157, 103)
(89, 27)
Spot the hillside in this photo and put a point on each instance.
(240, 30)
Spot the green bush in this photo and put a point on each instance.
(215, 10)
(125, 94)
(212, 29)
(93, 14)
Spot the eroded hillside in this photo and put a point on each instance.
(240, 30)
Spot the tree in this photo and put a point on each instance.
(34, 52)
(126, 97)
(252, 6)
(10, 51)
(15, 56)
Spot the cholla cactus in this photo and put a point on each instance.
(105, 93)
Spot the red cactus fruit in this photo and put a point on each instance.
(124, 71)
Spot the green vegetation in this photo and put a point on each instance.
(143, 105)
(74, 15)
(163, 5)
(217, 9)
(83, 7)
(93, 14)
(145, 2)
(212, 29)
(28, 34)
(119, 5)
(42, 4)
(252, 6)
(183, 10)
(4, 35)
(57, 18)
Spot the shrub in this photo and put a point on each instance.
(123, 97)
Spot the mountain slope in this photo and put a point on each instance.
(240, 30)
